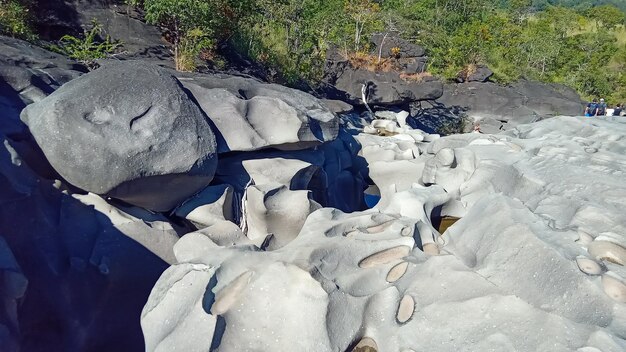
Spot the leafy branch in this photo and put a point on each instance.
(89, 48)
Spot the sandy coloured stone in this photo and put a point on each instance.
(430, 249)
(614, 287)
(609, 251)
(397, 271)
(385, 256)
(227, 296)
(589, 266)
(405, 309)
(367, 344)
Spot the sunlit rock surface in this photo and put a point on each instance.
(280, 253)
(512, 274)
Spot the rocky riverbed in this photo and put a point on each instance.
(142, 208)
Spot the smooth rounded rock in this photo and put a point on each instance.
(584, 238)
(417, 137)
(127, 130)
(405, 309)
(370, 130)
(407, 231)
(445, 157)
(379, 123)
(251, 115)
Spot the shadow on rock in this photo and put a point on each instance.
(87, 280)
(439, 119)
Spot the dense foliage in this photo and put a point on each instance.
(15, 18)
(580, 43)
(88, 48)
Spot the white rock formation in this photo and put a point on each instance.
(535, 263)
(252, 115)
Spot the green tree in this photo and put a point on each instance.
(362, 13)
(607, 16)
(189, 24)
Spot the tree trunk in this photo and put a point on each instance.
(356, 36)
(380, 48)
(176, 46)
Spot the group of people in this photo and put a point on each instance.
(596, 108)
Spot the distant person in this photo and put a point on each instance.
(592, 108)
(601, 108)
(618, 110)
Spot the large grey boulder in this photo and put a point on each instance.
(252, 115)
(127, 130)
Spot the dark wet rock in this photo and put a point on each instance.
(28, 74)
(385, 88)
(123, 23)
(55, 18)
(13, 286)
(404, 83)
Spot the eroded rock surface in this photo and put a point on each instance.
(279, 253)
(251, 115)
(511, 273)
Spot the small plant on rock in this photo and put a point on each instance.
(194, 45)
(14, 20)
(456, 125)
(395, 51)
(89, 48)
(365, 61)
